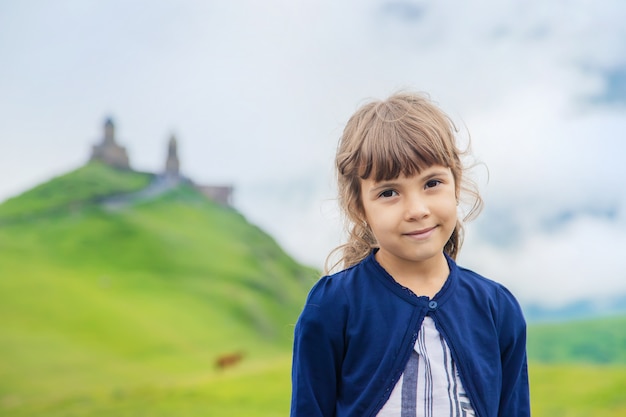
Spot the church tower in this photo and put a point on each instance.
(108, 151)
(172, 165)
(109, 132)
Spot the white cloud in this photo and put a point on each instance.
(584, 260)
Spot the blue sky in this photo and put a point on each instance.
(257, 94)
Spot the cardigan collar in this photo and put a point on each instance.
(442, 295)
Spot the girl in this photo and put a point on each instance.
(402, 330)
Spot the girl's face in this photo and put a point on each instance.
(411, 218)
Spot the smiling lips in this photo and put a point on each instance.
(421, 234)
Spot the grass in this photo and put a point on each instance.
(578, 390)
(253, 389)
(84, 185)
(262, 389)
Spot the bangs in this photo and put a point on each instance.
(395, 148)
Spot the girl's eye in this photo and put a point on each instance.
(388, 193)
(432, 183)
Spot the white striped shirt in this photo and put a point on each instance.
(430, 385)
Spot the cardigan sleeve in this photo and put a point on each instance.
(515, 397)
(318, 351)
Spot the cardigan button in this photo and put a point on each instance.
(432, 305)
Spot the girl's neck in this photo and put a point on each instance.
(424, 278)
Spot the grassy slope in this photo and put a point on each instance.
(94, 302)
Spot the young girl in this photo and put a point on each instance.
(402, 330)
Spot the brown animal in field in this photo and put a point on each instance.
(228, 360)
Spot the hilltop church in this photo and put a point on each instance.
(115, 155)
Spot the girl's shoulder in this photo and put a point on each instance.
(342, 286)
(335, 285)
(326, 304)
(487, 287)
(474, 278)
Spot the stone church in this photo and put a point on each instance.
(109, 151)
(115, 155)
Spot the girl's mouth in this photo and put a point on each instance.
(422, 233)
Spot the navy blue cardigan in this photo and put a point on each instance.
(358, 327)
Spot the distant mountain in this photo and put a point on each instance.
(100, 297)
(581, 309)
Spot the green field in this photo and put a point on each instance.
(262, 389)
(124, 312)
(578, 390)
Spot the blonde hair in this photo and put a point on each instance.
(401, 135)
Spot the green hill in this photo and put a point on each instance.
(97, 301)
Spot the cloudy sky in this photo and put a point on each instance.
(257, 93)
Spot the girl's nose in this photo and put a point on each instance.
(416, 208)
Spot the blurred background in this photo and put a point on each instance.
(256, 95)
